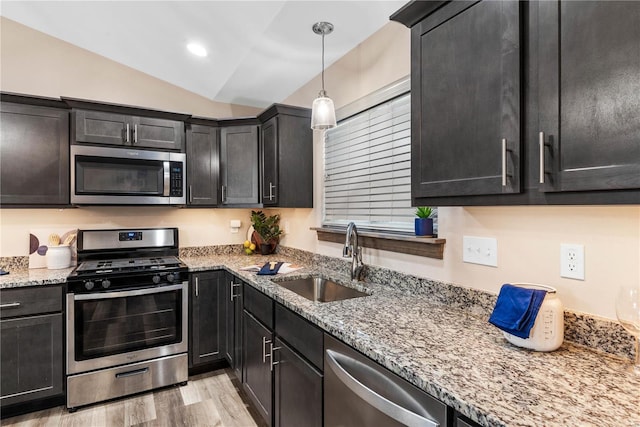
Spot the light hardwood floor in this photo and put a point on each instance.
(210, 399)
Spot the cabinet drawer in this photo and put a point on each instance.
(300, 334)
(258, 304)
(26, 301)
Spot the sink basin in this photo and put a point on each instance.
(320, 289)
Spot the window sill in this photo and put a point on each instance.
(430, 247)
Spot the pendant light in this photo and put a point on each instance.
(323, 114)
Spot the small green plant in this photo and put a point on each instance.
(268, 227)
(424, 212)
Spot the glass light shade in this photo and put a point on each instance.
(323, 114)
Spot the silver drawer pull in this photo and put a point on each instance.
(132, 373)
(10, 305)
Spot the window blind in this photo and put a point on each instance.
(367, 160)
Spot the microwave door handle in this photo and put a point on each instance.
(167, 179)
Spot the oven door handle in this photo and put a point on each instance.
(131, 293)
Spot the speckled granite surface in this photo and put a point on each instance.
(437, 336)
(450, 351)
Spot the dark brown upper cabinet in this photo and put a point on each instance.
(98, 123)
(203, 163)
(589, 94)
(517, 103)
(239, 163)
(286, 142)
(34, 152)
(465, 85)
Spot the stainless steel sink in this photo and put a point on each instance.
(320, 289)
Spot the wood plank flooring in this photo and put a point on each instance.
(209, 399)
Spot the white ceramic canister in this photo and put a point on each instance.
(58, 257)
(547, 333)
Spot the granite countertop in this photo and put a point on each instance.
(452, 353)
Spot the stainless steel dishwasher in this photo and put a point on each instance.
(359, 392)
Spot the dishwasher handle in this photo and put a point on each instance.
(381, 403)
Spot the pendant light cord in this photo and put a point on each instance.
(323, 63)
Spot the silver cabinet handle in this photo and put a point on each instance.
(271, 350)
(504, 162)
(223, 194)
(197, 287)
(232, 295)
(10, 305)
(135, 133)
(382, 404)
(541, 148)
(126, 134)
(190, 194)
(271, 188)
(265, 341)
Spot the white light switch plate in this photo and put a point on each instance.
(480, 250)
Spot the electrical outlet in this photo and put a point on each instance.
(480, 250)
(572, 261)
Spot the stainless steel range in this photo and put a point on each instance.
(126, 314)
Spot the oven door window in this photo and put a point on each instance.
(122, 324)
(113, 176)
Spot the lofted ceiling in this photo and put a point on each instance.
(259, 52)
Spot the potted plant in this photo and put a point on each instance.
(424, 221)
(267, 231)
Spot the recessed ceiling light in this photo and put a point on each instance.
(197, 49)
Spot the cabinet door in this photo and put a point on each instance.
(256, 367)
(589, 81)
(99, 127)
(465, 86)
(269, 141)
(298, 390)
(150, 132)
(34, 155)
(233, 314)
(207, 317)
(239, 165)
(203, 162)
(295, 162)
(31, 359)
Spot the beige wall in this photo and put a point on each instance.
(34, 63)
(528, 237)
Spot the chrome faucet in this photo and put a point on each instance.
(351, 249)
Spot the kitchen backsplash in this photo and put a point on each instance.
(580, 328)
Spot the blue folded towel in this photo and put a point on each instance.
(266, 269)
(516, 309)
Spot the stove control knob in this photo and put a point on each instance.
(88, 285)
(170, 277)
(156, 279)
(106, 283)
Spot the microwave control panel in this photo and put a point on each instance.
(177, 175)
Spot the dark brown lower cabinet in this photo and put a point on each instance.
(233, 314)
(257, 376)
(208, 322)
(31, 349)
(298, 389)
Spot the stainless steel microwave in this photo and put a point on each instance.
(123, 176)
